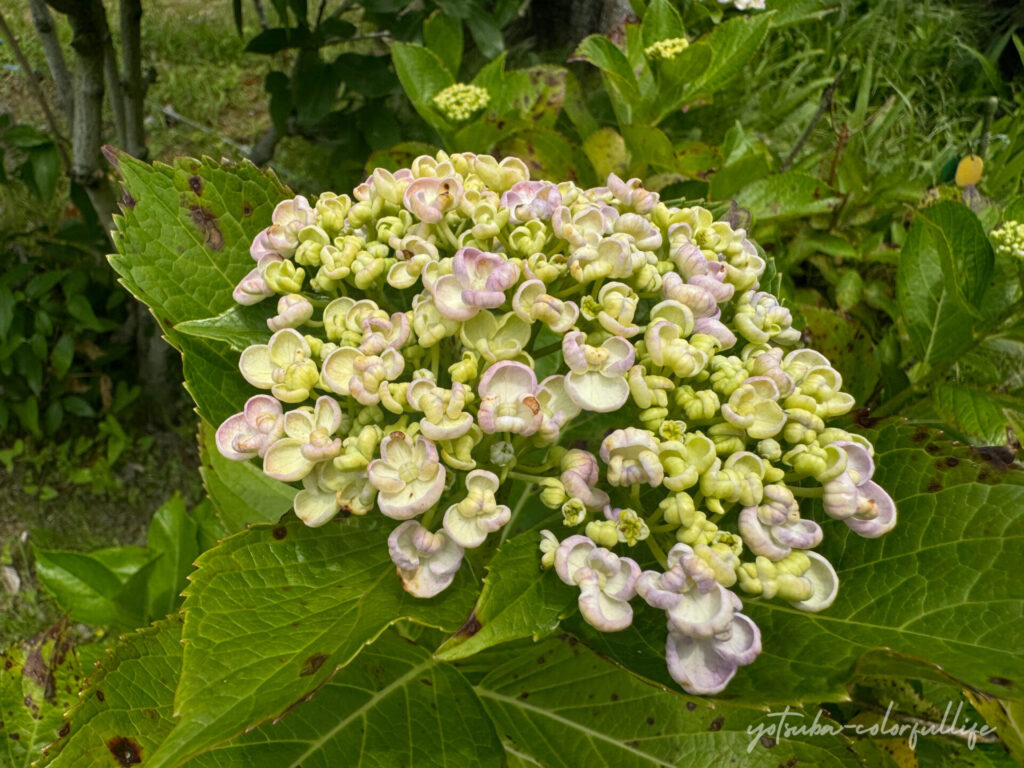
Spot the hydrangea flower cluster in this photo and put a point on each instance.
(1009, 239)
(456, 326)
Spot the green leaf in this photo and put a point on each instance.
(373, 709)
(393, 705)
(62, 355)
(90, 586)
(184, 235)
(786, 196)
(538, 93)
(546, 152)
(423, 75)
(649, 147)
(273, 611)
(607, 152)
(661, 22)
(964, 250)
(845, 342)
(938, 327)
(212, 377)
(486, 34)
(39, 680)
(239, 327)
(975, 413)
(45, 163)
(559, 705)
(619, 78)
(173, 534)
(517, 601)
(443, 35)
(240, 491)
(125, 711)
(941, 587)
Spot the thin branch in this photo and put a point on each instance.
(261, 15)
(115, 93)
(826, 101)
(37, 92)
(135, 84)
(46, 30)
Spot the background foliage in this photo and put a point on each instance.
(831, 129)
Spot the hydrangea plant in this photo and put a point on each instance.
(455, 326)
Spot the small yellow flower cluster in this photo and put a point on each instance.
(664, 50)
(460, 101)
(1009, 239)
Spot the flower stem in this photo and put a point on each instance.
(657, 551)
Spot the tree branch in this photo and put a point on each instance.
(115, 93)
(37, 92)
(134, 83)
(89, 24)
(47, 33)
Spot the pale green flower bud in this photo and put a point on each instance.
(284, 276)
(500, 176)
(604, 533)
(574, 512)
(331, 210)
(651, 418)
(722, 556)
(702, 405)
(360, 214)
(393, 226)
(802, 426)
(727, 438)
(727, 374)
(466, 369)
(458, 453)
(552, 493)
(547, 268)
(821, 463)
(528, 238)
(647, 279)
(548, 547)
(769, 449)
(311, 242)
(370, 265)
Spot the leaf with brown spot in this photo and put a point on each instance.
(38, 683)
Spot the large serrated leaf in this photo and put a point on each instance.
(942, 586)
(239, 327)
(183, 237)
(976, 414)
(124, 712)
(38, 682)
(559, 705)
(517, 601)
(241, 493)
(271, 614)
(392, 706)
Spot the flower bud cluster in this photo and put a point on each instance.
(679, 413)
